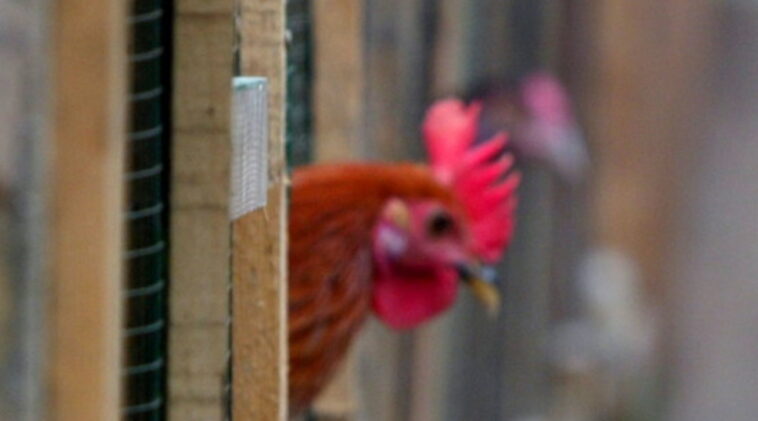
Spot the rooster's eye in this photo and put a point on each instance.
(440, 224)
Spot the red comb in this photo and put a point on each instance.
(477, 173)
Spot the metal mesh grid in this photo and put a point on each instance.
(145, 289)
(249, 145)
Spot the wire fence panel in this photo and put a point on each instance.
(145, 295)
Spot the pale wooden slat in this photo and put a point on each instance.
(642, 73)
(338, 108)
(87, 187)
(338, 78)
(639, 108)
(200, 226)
(449, 48)
(259, 268)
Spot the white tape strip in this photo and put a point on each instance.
(249, 145)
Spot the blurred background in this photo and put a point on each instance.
(628, 289)
(631, 289)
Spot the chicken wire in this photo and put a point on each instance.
(146, 254)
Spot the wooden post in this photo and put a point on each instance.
(397, 63)
(449, 50)
(395, 99)
(713, 269)
(339, 78)
(640, 110)
(644, 82)
(87, 187)
(338, 110)
(200, 226)
(25, 124)
(466, 365)
(259, 268)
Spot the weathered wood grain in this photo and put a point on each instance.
(259, 245)
(339, 79)
(200, 227)
(87, 187)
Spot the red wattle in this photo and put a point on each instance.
(405, 302)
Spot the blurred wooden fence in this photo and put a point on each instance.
(61, 140)
(628, 65)
(464, 366)
(667, 109)
(713, 268)
(23, 102)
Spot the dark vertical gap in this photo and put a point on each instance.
(427, 33)
(167, 32)
(503, 374)
(146, 215)
(526, 34)
(228, 381)
(299, 113)
(526, 324)
(299, 87)
(429, 21)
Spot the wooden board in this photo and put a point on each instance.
(467, 365)
(397, 63)
(711, 308)
(338, 79)
(200, 227)
(87, 187)
(259, 269)
(24, 143)
(639, 110)
(339, 115)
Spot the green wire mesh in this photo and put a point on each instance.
(299, 76)
(146, 255)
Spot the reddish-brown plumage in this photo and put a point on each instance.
(333, 211)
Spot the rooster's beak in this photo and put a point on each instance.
(483, 287)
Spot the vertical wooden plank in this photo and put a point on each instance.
(338, 108)
(638, 117)
(200, 230)
(259, 269)
(449, 48)
(397, 66)
(339, 78)
(714, 271)
(493, 369)
(639, 108)
(379, 349)
(436, 346)
(340, 400)
(86, 182)
(24, 141)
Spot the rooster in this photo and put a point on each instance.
(536, 110)
(393, 239)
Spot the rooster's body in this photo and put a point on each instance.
(331, 259)
(392, 239)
